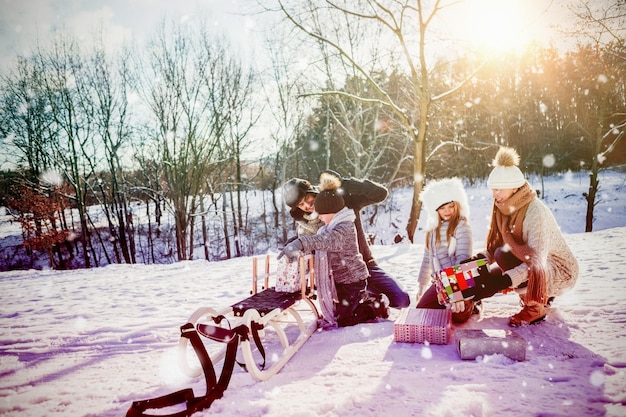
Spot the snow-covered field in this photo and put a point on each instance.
(89, 342)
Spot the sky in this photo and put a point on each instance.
(22, 23)
(480, 23)
(87, 343)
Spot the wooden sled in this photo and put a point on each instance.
(291, 316)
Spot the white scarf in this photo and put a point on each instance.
(326, 288)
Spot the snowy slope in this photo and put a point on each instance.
(89, 342)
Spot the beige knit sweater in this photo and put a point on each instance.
(542, 233)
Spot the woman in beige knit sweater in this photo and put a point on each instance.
(525, 241)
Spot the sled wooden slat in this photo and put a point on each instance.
(266, 301)
(255, 274)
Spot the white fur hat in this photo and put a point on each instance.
(506, 174)
(439, 192)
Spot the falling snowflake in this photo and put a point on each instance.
(51, 178)
(549, 161)
(596, 378)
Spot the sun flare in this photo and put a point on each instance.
(496, 25)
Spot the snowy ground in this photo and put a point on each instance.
(89, 342)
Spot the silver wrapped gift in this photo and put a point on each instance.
(479, 342)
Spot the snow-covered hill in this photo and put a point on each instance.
(89, 342)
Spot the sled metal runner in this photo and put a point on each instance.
(292, 316)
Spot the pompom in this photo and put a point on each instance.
(330, 198)
(329, 181)
(506, 173)
(506, 157)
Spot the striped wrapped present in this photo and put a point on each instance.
(421, 325)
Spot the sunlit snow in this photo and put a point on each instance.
(89, 342)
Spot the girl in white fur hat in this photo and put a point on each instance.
(448, 240)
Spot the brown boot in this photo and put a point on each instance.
(466, 314)
(530, 314)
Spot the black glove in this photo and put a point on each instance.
(482, 270)
(487, 284)
(297, 213)
(292, 250)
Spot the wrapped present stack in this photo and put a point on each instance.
(421, 325)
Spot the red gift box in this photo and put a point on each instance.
(421, 325)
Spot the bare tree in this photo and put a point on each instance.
(405, 25)
(194, 92)
(108, 84)
(358, 135)
(65, 121)
(600, 22)
(26, 119)
(282, 85)
(237, 85)
(602, 25)
(73, 153)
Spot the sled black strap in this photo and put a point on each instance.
(218, 334)
(214, 388)
(257, 341)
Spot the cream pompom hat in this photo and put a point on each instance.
(439, 192)
(506, 173)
